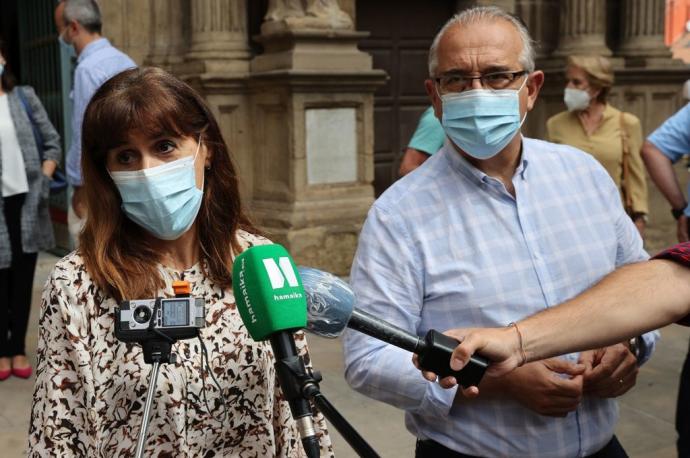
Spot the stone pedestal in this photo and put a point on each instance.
(582, 28)
(312, 109)
(311, 49)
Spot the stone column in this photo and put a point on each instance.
(582, 28)
(219, 36)
(169, 32)
(538, 16)
(642, 29)
(217, 65)
(312, 96)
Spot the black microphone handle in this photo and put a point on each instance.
(434, 351)
(373, 326)
(289, 369)
(436, 357)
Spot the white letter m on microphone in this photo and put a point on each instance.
(278, 275)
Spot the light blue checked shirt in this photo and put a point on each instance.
(98, 62)
(447, 247)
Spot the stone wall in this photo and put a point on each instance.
(278, 109)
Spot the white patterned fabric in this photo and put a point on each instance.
(91, 388)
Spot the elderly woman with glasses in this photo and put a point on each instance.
(613, 137)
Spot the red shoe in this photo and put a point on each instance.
(4, 375)
(24, 372)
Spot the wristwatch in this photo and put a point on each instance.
(677, 212)
(635, 346)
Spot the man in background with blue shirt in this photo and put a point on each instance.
(493, 228)
(79, 26)
(428, 138)
(665, 146)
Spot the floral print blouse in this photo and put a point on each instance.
(91, 388)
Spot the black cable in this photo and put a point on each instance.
(205, 363)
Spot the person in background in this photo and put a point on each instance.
(78, 23)
(665, 146)
(25, 227)
(613, 137)
(163, 205)
(428, 138)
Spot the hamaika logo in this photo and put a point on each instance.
(280, 273)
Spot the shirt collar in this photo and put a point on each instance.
(461, 165)
(609, 112)
(92, 48)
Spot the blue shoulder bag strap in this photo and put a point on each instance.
(37, 135)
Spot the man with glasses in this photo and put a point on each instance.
(493, 228)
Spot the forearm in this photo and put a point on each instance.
(662, 174)
(411, 160)
(632, 300)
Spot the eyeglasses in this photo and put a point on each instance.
(457, 82)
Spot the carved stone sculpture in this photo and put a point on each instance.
(305, 14)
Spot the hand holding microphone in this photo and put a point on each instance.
(331, 309)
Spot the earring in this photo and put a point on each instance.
(208, 167)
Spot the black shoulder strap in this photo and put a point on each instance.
(27, 107)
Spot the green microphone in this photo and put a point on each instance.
(272, 303)
(268, 291)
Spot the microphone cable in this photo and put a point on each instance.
(206, 368)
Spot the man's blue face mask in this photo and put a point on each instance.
(482, 122)
(66, 47)
(164, 200)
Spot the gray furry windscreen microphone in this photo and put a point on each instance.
(330, 302)
(330, 308)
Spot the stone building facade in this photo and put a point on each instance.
(317, 98)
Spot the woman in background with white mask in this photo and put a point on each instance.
(163, 203)
(591, 124)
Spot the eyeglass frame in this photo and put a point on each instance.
(515, 74)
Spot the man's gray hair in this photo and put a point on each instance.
(481, 14)
(85, 12)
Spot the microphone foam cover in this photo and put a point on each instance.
(268, 291)
(329, 302)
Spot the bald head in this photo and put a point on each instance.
(86, 13)
(482, 19)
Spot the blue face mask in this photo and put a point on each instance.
(164, 200)
(482, 122)
(2, 69)
(67, 47)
